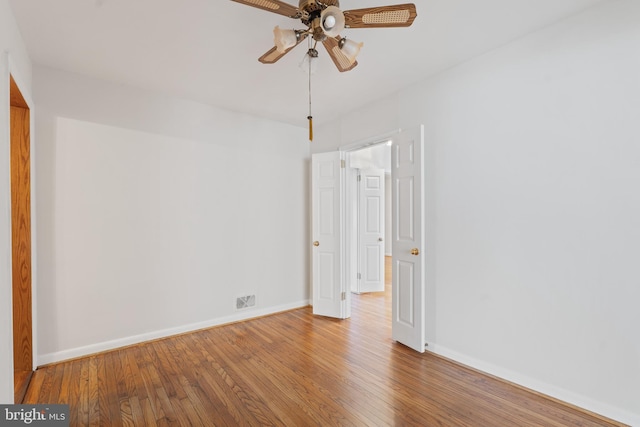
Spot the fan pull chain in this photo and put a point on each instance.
(310, 117)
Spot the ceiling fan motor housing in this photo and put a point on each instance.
(310, 5)
(312, 9)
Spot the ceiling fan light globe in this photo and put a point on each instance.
(284, 39)
(332, 20)
(350, 49)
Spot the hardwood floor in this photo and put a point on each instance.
(291, 369)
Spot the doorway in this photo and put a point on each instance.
(334, 231)
(330, 231)
(20, 124)
(408, 234)
(368, 225)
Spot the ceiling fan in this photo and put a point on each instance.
(325, 21)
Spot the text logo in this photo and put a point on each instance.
(34, 415)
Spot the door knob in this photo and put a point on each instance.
(316, 243)
(415, 251)
(379, 239)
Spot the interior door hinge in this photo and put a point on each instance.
(343, 164)
(359, 178)
(344, 296)
(359, 276)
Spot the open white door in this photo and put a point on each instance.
(407, 176)
(371, 230)
(329, 296)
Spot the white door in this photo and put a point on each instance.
(327, 178)
(371, 230)
(408, 317)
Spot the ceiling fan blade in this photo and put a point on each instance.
(272, 55)
(400, 15)
(340, 59)
(274, 6)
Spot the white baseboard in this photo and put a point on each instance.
(589, 404)
(72, 353)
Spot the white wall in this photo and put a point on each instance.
(156, 213)
(533, 165)
(14, 60)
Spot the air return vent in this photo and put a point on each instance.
(245, 302)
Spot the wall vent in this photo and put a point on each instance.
(245, 302)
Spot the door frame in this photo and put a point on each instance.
(15, 79)
(349, 198)
(358, 145)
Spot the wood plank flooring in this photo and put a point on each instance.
(291, 369)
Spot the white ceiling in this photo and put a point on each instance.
(207, 50)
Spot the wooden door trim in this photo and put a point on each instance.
(22, 299)
(15, 96)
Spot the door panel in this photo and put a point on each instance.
(371, 220)
(327, 279)
(408, 323)
(406, 294)
(329, 298)
(405, 223)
